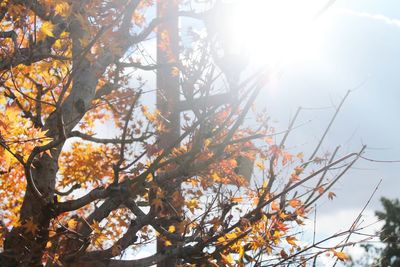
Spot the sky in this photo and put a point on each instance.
(358, 51)
(355, 46)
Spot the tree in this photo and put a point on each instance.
(390, 234)
(72, 197)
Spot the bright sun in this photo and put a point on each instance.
(275, 31)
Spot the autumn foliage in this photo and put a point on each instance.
(72, 195)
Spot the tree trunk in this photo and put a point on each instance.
(23, 247)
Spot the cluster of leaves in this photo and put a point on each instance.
(71, 197)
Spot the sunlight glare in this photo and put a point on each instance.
(274, 31)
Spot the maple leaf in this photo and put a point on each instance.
(275, 151)
(291, 240)
(331, 195)
(236, 199)
(283, 254)
(319, 189)
(171, 229)
(341, 255)
(30, 226)
(192, 204)
(241, 252)
(227, 259)
(98, 236)
(294, 178)
(72, 223)
(269, 140)
(275, 206)
(215, 177)
(300, 155)
(62, 9)
(286, 158)
(260, 165)
(294, 203)
(47, 28)
(298, 170)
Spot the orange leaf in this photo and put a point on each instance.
(72, 223)
(274, 206)
(291, 240)
(294, 178)
(341, 255)
(294, 203)
(236, 199)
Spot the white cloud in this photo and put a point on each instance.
(378, 17)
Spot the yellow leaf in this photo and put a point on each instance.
(227, 259)
(341, 255)
(9, 158)
(167, 243)
(62, 9)
(207, 142)
(72, 223)
(260, 165)
(291, 240)
(241, 252)
(171, 229)
(192, 204)
(215, 177)
(3, 101)
(47, 28)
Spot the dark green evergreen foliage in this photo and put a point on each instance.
(390, 234)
